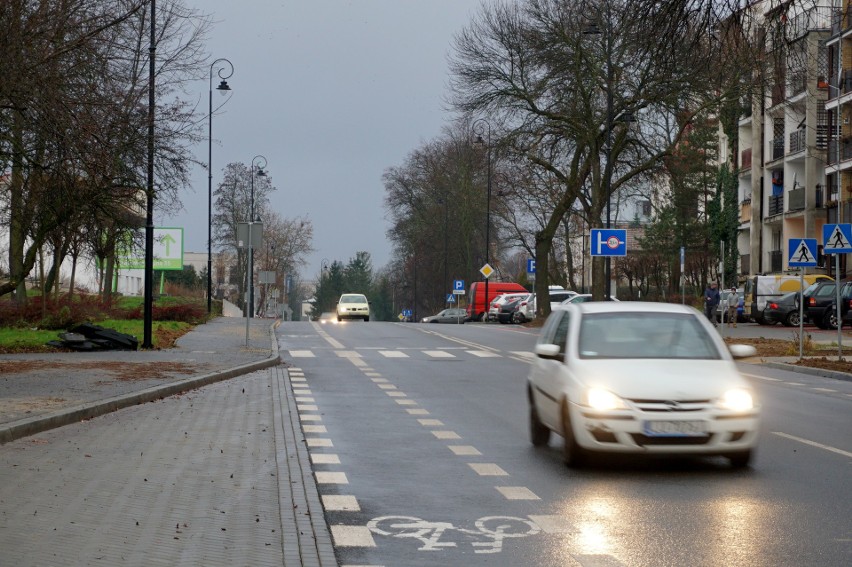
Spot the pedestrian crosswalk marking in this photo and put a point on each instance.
(438, 354)
(393, 354)
(302, 354)
(483, 353)
(352, 536)
(517, 493)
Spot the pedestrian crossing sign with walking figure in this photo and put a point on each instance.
(837, 238)
(802, 252)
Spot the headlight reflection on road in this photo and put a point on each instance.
(595, 516)
(740, 529)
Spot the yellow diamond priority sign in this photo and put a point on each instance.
(486, 270)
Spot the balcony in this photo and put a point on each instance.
(776, 261)
(797, 199)
(845, 151)
(776, 148)
(820, 196)
(797, 82)
(745, 211)
(776, 205)
(745, 159)
(797, 141)
(840, 21)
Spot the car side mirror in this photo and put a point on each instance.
(742, 351)
(549, 351)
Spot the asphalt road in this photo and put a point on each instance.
(423, 458)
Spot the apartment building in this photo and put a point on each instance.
(783, 137)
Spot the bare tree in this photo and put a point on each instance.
(560, 78)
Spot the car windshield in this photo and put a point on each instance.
(645, 335)
(353, 299)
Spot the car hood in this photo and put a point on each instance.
(658, 379)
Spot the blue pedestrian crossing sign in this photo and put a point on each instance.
(837, 238)
(451, 298)
(801, 252)
(608, 242)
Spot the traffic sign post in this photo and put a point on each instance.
(801, 253)
(837, 240)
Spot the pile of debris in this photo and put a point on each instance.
(93, 337)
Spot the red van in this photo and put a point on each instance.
(477, 303)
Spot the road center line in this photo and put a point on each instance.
(813, 444)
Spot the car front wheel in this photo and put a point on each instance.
(539, 432)
(740, 459)
(573, 455)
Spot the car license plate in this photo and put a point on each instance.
(675, 428)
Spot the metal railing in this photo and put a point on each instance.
(745, 211)
(775, 261)
(776, 205)
(776, 148)
(845, 151)
(797, 141)
(745, 159)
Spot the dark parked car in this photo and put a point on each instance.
(784, 310)
(821, 303)
(452, 315)
(517, 311)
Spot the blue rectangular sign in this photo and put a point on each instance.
(801, 252)
(458, 284)
(608, 242)
(530, 265)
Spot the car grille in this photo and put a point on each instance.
(644, 440)
(671, 406)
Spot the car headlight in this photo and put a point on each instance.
(737, 400)
(600, 399)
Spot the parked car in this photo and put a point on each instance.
(502, 299)
(451, 315)
(723, 303)
(353, 306)
(821, 303)
(518, 310)
(640, 378)
(784, 310)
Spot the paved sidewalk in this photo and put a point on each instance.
(252, 502)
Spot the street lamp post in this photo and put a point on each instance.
(223, 88)
(260, 173)
(481, 126)
(148, 307)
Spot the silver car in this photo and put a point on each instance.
(452, 315)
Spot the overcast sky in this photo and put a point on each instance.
(332, 93)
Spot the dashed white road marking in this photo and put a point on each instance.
(487, 469)
(794, 383)
(310, 417)
(430, 422)
(417, 411)
(393, 354)
(297, 379)
(823, 390)
(483, 353)
(446, 435)
(314, 429)
(324, 477)
(464, 450)
(517, 493)
(325, 459)
(767, 378)
(306, 407)
(406, 402)
(340, 503)
(379, 380)
(318, 442)
(554, 524)
(371, 374)
(305, 399)
(301, 392)
(439, 354)
(387, 386)
(302, 354)
(352, 536)
(396, 394)
(813, 444)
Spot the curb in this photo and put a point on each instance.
(810, 371)
(32, 425)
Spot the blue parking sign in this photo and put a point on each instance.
(530, 265)
(458, 284)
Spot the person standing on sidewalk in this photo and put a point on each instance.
(711, 301)
(733, 302)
